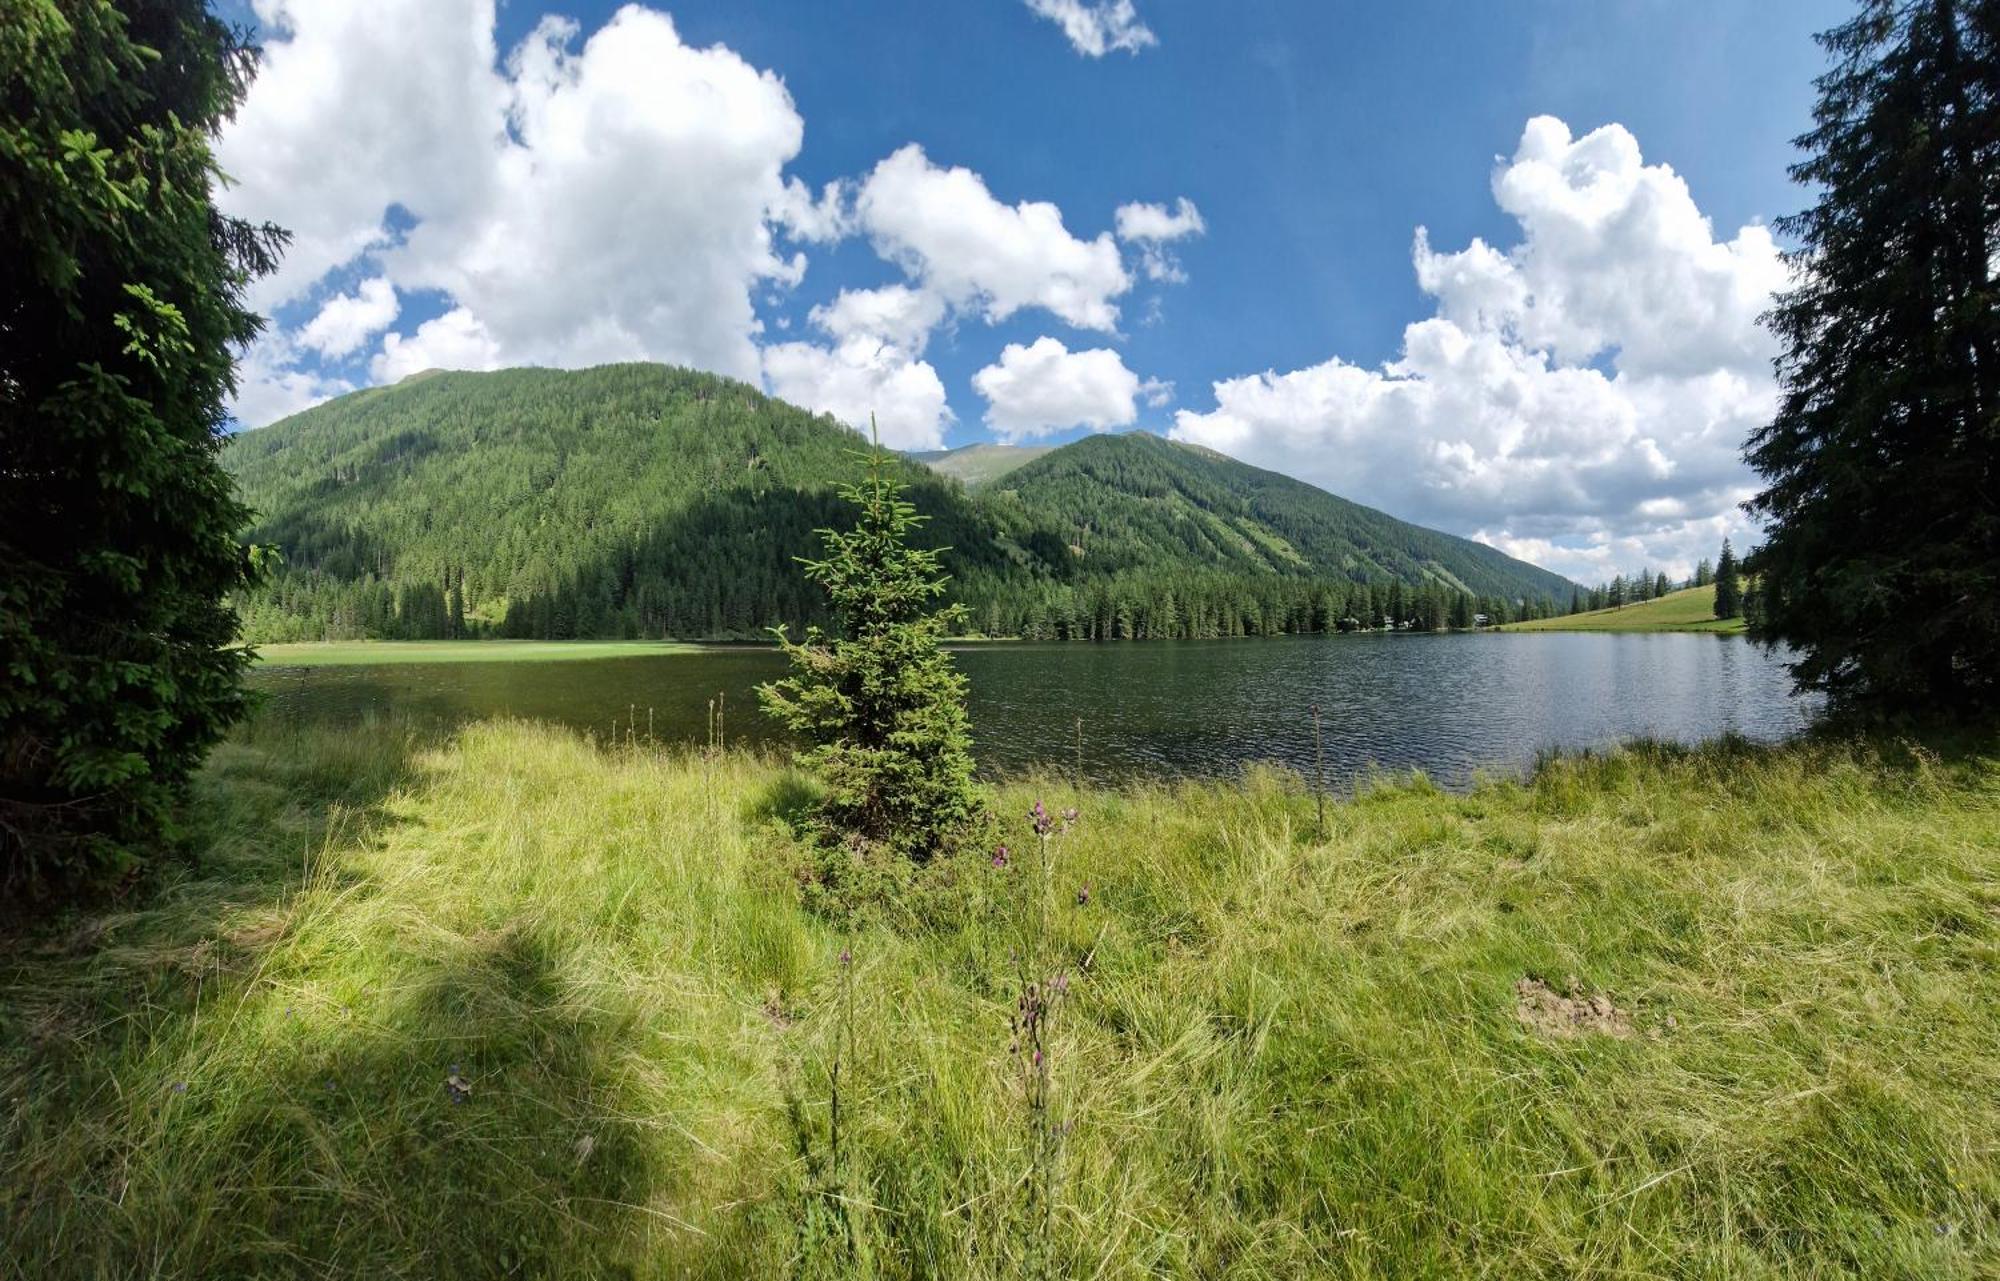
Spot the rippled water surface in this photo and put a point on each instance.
(1448, 705)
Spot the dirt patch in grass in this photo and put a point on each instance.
(775, 1010)
(1569, 1011)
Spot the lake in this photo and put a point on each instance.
(1449, 704)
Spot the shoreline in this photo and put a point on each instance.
(367, 653)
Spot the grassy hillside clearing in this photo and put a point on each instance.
(1690, 610)
(511, 1005)
(980, 464)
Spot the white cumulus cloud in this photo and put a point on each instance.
(1096, 27)
(872, 366)
(357, 107)
(1580, 398)
(1152, 228)
(859, 377)
(1140, 221)
(896, 314)
(620, 197)
(1045, 387)
(271, 384)
(613, 202)
(348, 320)
(455, 340)
(952, 237)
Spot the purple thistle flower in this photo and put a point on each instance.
(1040, 819)
(1083, 897)
(846, 957)
(1000, 857)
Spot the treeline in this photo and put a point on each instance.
(721, 605)
(1199, 606)
(1735, 596)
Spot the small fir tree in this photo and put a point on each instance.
(881, 706)
(1728, 587)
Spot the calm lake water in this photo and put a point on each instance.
(1448, 705)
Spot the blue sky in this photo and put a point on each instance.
(1313, 139)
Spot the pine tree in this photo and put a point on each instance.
(1882, 561)
(881, 705)
(121, 298)
(1728, 586)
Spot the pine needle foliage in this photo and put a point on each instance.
(1882, 465)
(880, 704)
(121, 298)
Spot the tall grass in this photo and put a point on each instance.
(1280, 1054)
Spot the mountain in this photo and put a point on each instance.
(977, 465)
(648, 500)
(1128, 501)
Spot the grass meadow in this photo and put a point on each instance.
(508, 1004)
(1689, 610)
(373, 652)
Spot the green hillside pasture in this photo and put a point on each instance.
(1691, 610)
(368, 653)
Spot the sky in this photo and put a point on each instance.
(1492, 267)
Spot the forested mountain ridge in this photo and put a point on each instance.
(645, 500)
(1130, 501)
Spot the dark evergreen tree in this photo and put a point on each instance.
(881, 705)
(1728, 586)
(1882, 561)
(121, 298)
(1661, 587)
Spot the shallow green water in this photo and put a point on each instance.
(1448, 705)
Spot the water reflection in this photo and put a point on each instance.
(1449, 705)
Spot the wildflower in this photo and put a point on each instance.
(1041, 819)
(1000, 857)
(1069, 817)
(846, 958)
(180, 1087)
(1083, 897)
